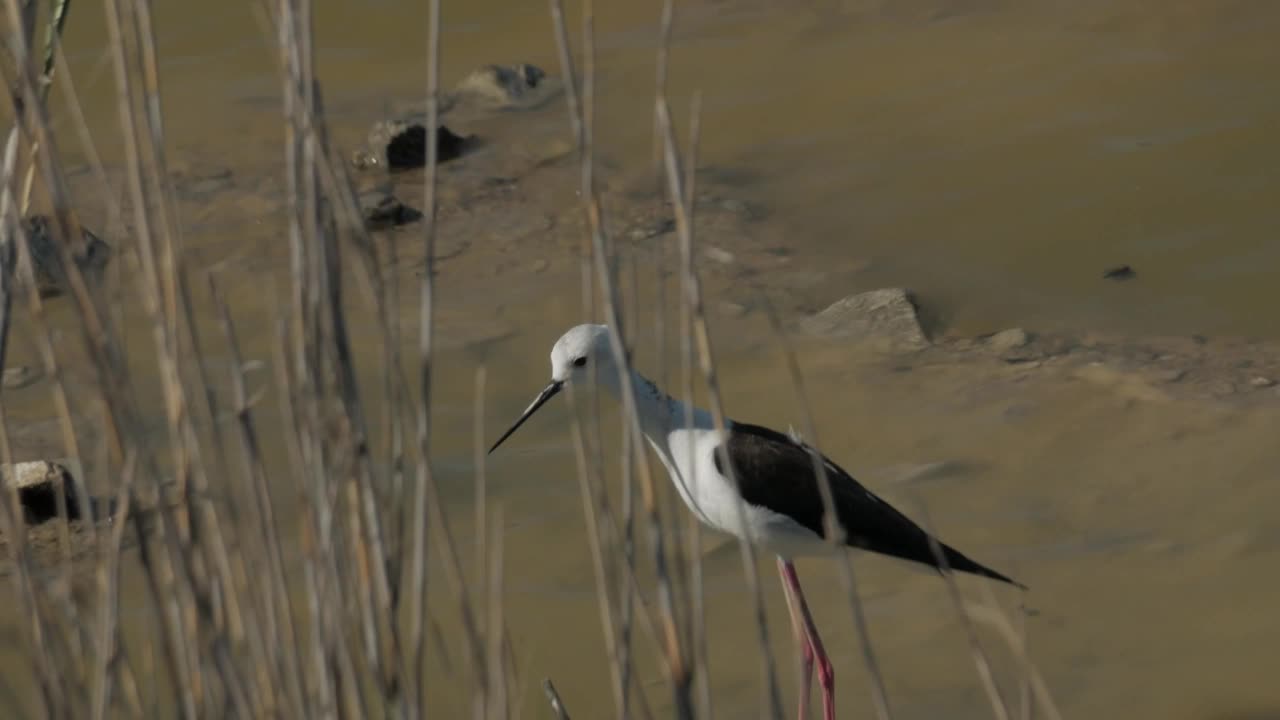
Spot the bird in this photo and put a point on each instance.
(771, 499)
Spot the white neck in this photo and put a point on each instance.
(660, 414)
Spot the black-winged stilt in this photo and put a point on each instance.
(777, 503)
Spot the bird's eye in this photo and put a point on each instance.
(580, 362)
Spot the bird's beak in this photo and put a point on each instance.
(547, 393)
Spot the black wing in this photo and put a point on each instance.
(776, 472)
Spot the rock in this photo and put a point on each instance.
(20, 376)
(501, 85)
(1259, 381)
(38, 483)
(90, 254)
(401, 144)
(1006, 340)
(887, 315)
(380, 210)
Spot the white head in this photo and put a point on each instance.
(580, 352)
(579, 355)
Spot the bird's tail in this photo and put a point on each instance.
(959, 562)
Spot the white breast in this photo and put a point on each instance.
(713, 499)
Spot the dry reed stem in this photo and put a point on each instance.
(108, 579)
(425, 481)
(70, 97)
(1024, 686)
(997, 620)
(998, 705)
(174, 564)
(835, 533)
(1026, 690)
(319, 567)
(591, 513)
(693, 297)
(697, 609)
(627, 600)
(12, 524)
(30, 116)
(254, 471)
(52, 46)
(99, 344)
(481, 485)
(679, 671)
(180, 326)
(496, 634)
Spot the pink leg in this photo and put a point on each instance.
(802, 642)
(826, 674)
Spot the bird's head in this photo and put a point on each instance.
(579, 355)
(580, 352)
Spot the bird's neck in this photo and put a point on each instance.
(660, 413)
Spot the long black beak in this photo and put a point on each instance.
(547, 393)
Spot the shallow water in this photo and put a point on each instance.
(996, 157)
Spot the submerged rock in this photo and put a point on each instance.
(1120, 272)
(887, 315)
(380, 210)
(90, 254)
(501, 85)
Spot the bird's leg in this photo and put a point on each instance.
(802, 642)
(826, 674)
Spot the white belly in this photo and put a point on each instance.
(713, 499)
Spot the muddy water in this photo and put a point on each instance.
(995, 156)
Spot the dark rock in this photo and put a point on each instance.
(887, 315)
(402, 145)
(90, 254)
(381, 210)
(1120, 272)
(399, 143)
(39, 483)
